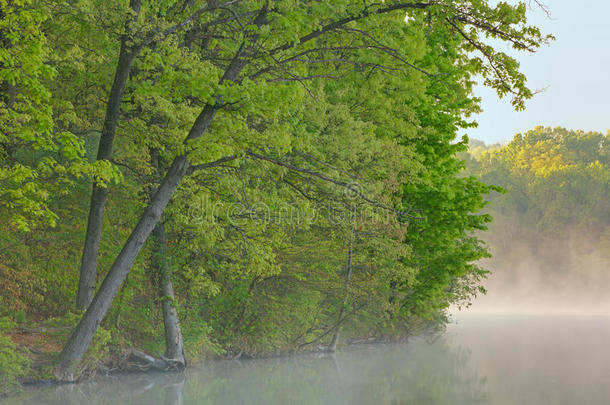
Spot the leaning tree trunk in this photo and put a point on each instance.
(79, 341)
(99, 195)
(333, 344)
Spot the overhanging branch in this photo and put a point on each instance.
(324, 177)
(215, 163)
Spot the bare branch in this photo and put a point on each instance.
(545, 8)
(487, 56)
(301, 78)
(313, 158)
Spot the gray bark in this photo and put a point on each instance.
(162, 268)
(79, 341)
(99, 195)
(136, 360)
(174, 346)
(88, 267)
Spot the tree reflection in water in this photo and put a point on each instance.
(384, 374)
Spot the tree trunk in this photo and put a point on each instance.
(174, 346)
(162, 268)
(76, 346)
(88, 268)
(333, 344)
(79, 341)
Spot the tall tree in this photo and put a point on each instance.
(257, 57)
(174, 343)
(137, 36)
(99, 194)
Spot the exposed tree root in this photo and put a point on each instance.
(136, 360)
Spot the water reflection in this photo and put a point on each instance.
(391, 374)
(130, 389)
(539, 359)
(415, 373)
(481, 360)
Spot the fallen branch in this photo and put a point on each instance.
(136, 360)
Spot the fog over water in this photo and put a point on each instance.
(567, 275)
(540, 336)
(481, 359)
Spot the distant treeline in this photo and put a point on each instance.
(551, 230)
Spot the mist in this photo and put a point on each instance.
(480, 359)
(534, 274)
(550, 234)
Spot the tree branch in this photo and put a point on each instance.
(321, 176)
(339, 23)
(215, 163)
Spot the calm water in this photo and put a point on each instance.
(480, 360)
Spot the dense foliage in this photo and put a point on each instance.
(305, 152)
(13, 363)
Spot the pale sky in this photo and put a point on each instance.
(575, 68)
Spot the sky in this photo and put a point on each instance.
(574, 70)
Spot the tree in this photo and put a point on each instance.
(162, 266)
(137, 37)
(254, 53)
(554, 213)
(128, 52)
(38, 155)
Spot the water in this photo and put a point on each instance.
(480, 360)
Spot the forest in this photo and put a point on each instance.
(187, 179)
(550, 237)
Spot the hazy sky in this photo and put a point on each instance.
(575, 68)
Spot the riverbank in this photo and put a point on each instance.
(479, 360)
(41, 345)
